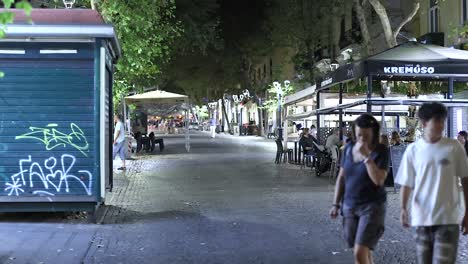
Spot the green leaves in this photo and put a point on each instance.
(146, 30)
(7, 3)
(26, 6)
(272, 103)
(6, 17)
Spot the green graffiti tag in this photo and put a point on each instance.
(52, 138)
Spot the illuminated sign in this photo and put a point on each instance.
(410, 69)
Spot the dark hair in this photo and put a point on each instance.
(436, 110)
(463, 134)
(367, 121)
(119, 116)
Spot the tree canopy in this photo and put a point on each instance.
(208, 48)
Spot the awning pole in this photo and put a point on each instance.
(450, 109)
(187, 131)
(340, 118)
(124, 121)
(369, 93)
(285, 129)
(318, 114)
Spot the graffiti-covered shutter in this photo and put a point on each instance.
(47, 123)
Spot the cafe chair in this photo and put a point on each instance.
(281, 153)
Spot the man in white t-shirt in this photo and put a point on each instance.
(119, 141)
(431, 168)
(333, 139)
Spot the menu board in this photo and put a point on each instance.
(396, 153)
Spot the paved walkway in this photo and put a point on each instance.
(224, 202)
(227, 202)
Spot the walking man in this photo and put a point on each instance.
(463, 139)
(213, 127)
(431, 168)
(119, 141)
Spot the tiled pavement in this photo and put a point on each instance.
(226, 202)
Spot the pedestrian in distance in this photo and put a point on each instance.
(395, 139)
(118, 146)
(213, 127)
(360, 191)
(432, 168)
(463, 139)
(313, 131)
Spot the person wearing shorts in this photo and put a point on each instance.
(432, 168)
(118, 146)
(360, 191)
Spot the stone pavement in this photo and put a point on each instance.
(224, 202)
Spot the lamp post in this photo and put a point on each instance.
(68, 3)
(279, 92)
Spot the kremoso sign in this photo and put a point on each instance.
(409, 70)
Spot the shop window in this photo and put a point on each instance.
(464, 15)
(434, 17)
(58, 51)
(12, 51)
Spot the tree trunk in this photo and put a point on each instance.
(93, 4)
(310, 61)
(267, 115)
(338, 14)
(330, 37)
(382, 13)
(260, 122)
(390, 35)
(226, 116)
(407, 19)
(363, 25)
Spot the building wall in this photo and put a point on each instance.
(450, 17)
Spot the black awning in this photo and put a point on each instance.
(408, 61)
(419, 60)
(344, 73)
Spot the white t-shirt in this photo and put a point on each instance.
(119, 127)
(433, 172)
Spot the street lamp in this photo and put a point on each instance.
(279, 92)
(68, 3)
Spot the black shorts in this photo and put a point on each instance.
(364, 224)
